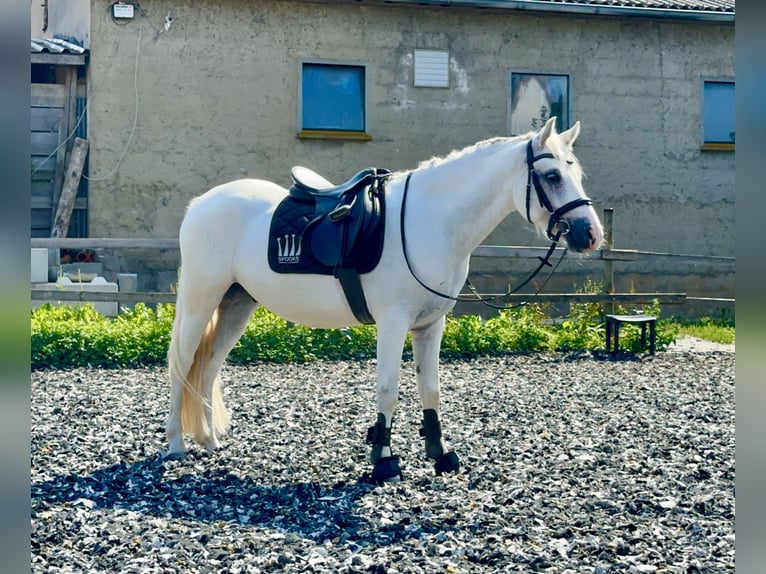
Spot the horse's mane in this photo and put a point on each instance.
(455, 154)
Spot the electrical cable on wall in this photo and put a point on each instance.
(96, 91)
(135, 115)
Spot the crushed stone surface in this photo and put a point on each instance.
(570, 464)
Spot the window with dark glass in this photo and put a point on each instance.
(332, 99)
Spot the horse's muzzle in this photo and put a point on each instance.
(579, 234)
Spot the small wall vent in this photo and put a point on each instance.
(432, 68)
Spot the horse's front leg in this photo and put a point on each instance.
(391, 337)
(425, 346)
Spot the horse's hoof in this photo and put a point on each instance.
(447, 463)
(212, 446)
(387, 470)
(176, 455)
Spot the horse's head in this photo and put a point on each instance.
(554, 199)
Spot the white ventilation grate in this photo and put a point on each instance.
(431, 68)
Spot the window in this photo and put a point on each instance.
(332, 101)
(534, 98)
(718, 115)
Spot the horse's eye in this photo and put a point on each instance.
(553, 176)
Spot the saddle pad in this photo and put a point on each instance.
(290, 248)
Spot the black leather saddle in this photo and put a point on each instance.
(337, 229)
(308, 184)
(346, 216)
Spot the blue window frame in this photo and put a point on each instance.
(718, 114)
(333, 100)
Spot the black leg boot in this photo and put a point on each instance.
(385, 469)
(435, 448)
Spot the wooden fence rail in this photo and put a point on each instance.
(502, 251)
(121, 297)
(125, 298)
(608, 255)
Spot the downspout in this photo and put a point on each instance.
(582, 9)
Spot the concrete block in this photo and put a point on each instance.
(39, 265)
(128, 282)
(106, 308)
(88, 270)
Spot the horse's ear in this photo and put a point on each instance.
(545, 133)
(569, 136)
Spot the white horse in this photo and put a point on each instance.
(453, 204)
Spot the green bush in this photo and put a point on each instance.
(520, 330)
(64, 337)
(268, 337)
(70, 336)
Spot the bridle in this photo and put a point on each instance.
(561, 225)
(533, 178)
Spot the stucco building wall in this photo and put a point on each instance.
(217, 100)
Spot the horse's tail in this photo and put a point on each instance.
(193, 399)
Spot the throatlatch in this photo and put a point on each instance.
(435, 448)
(387, 468)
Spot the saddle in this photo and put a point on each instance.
(331, 230)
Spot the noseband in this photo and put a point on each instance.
(533, 178)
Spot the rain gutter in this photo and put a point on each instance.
(582, 9)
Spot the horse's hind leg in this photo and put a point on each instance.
(202, 338)
(425, 347)
(233, 312)
(194, 315)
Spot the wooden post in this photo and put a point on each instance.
(69, 189)
(608, 263)
(71, 102)
(66, 126)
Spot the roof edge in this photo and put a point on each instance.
(582, 9)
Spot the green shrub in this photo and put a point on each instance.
(529, 331)
(70, 336)
(574, 335)
(64, 337)
(520, 330)
(584, 327)
(268, 337)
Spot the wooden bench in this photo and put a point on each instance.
(613, 323)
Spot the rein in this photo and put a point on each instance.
(562, 228)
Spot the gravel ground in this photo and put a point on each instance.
(571, 463)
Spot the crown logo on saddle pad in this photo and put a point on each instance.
(289, 251)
